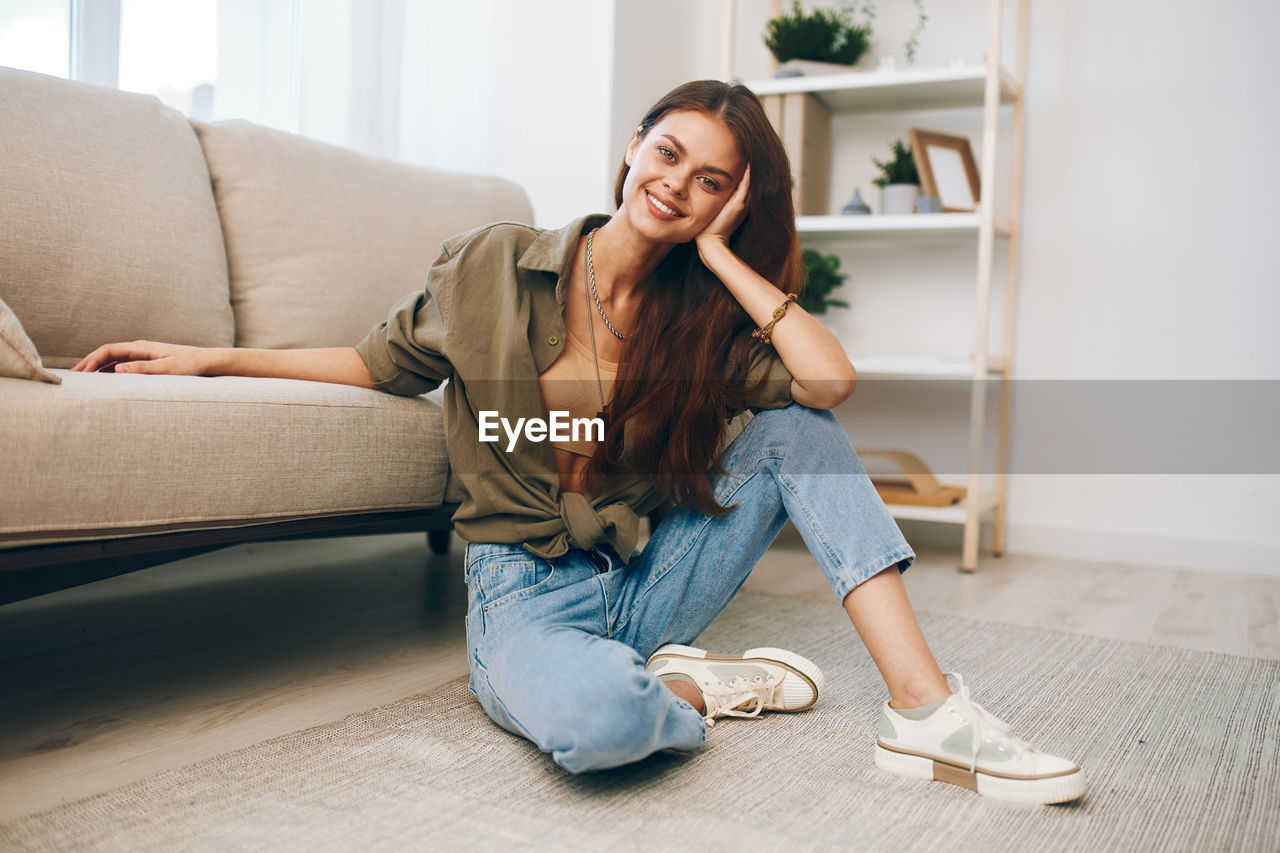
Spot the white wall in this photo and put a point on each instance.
(1149, 191)
(526, 98)
(1148, 195)
(1147, 253)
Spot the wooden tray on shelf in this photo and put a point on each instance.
(921, 488)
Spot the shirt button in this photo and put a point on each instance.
(553, 340)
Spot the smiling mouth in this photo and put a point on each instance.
(662, 208)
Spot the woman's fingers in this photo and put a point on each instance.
(732, 214)
(126, 356)
(737, 204)
(157, 365)
(108, 353)
(92, 358)
(738, 201)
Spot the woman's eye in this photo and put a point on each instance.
(709, 184)
(666, 152)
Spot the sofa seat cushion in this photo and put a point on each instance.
(108, 226)
(114, 455)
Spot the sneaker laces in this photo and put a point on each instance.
(726, 699)
(984, 722)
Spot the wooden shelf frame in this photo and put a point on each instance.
(993, 88)
(975, 505)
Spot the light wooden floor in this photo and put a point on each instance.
(120, 679)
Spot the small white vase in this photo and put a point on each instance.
(897, 199)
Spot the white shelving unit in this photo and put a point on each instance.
(987, 87)
(892, 91)
(923, 368)
(832, 228)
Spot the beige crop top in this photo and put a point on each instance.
(569, 384)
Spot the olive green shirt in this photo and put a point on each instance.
(490, 320)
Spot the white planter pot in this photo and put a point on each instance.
(811, 68)
(898, 199)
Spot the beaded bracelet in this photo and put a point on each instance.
(765, 335)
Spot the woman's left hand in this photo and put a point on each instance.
(720, 229)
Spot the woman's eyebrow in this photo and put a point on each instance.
(675, 143)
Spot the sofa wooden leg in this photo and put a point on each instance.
(438, 541)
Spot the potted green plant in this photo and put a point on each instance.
(899, 182)
(820, 41)
(822, 276)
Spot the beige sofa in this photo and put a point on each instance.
(122, 220)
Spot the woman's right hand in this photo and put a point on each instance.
(341, 365)
(147, 357)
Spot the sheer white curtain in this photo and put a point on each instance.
(504, 87)
(415, 80)
(286, 64)
(448, 86)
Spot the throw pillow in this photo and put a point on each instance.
(18, 357)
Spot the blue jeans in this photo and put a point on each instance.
(557, 648)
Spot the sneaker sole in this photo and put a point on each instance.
(796, 696)
(1041, 791)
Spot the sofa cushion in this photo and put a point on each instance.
(322, 241)
(117, 454)
(108, 228)
(18, 356)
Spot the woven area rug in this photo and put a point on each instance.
(1181, 748)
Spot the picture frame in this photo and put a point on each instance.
(947, 169)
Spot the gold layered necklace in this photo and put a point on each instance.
(591, 282)
(591, 325)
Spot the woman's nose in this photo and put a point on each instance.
(676, 182)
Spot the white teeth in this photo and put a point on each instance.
(668, 211)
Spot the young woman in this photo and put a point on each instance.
(655, 325)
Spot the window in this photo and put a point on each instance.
(170, 50)
(156, 47)
(35, 35)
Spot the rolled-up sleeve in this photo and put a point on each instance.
(405, 353)
(768, 382)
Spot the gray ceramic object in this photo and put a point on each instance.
(899, 199)
(928, 204)
(856, 205)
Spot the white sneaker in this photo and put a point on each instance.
(742, 685)
(963, 744)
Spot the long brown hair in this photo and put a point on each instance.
(671, 398)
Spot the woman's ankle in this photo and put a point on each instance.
(918, 695)
(687, 692)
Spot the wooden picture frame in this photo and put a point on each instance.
(947, 169)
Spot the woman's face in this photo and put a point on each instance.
(682, 172)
